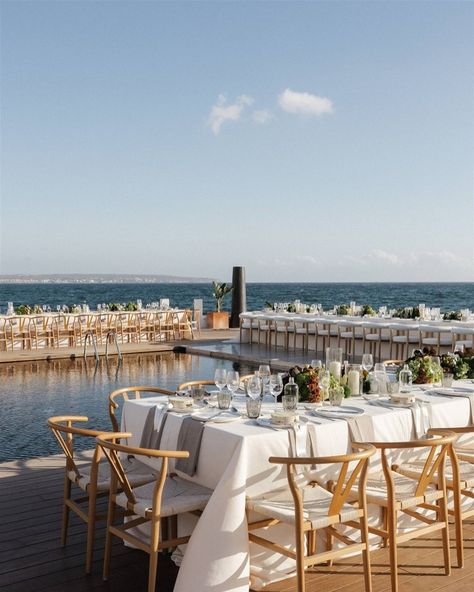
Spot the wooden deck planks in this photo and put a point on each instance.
(31, 559)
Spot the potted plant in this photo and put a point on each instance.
(219, 319)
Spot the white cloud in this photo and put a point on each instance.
(304, 103)
(261, 116)
(307, 259)
(222, 112)
(385, 257)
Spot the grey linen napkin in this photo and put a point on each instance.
(189, 438)
(151, 437)
(361, 428)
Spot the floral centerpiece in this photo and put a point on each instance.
(424, 370)
(459, 365)
(307, 379)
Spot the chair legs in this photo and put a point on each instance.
(364, 535)
(90, 530)
(392, 543)
(65, 520)
(153, 562)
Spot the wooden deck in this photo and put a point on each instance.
(26, 355)
(32, 560)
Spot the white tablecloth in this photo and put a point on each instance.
(233, 462)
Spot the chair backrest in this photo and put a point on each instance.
(65, 432)
(127, 393)
(191, 383)
(112, 450)
(349, 474)
(437, 447)
(392, 362)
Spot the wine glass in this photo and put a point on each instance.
(367, 362)
(276, 385)
(316, 364)
(254, 386)
(220, 378)
(264, 373)
(233, 381)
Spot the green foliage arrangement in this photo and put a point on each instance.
(367, 311)
(343, 309)
(452, 315)
(410, 312)
(220, 291)
(307, 379)
(423, 369)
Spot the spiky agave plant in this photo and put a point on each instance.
(220, 292)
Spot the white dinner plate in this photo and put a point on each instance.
(389, 404)
(267, 423)
(455, 391)
(216, 416)
(189, 409)
(336, 412)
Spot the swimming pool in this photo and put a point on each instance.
(30, 392)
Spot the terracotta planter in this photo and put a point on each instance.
(217, 320)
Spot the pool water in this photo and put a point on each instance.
(30, 392)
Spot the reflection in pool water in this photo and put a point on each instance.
(30, 392)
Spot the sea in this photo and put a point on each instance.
(447, 296)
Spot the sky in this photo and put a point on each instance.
(306, 141)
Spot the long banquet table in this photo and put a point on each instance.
(233, 462)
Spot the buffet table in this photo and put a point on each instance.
(233, 462)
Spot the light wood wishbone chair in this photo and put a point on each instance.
(165, 498)
(309, 507)
(92, 478)
(459, 479)
(127, 393)
(396, 493)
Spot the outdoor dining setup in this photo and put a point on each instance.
(248, 480)
(33, 331)
(388, 333)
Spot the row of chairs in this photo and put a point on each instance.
(317, 334)
(417, 489)
(31, 332)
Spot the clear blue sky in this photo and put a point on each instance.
(341, 150)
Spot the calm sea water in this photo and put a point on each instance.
(30, 392)
(448, 296)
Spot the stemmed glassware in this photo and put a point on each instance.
(276, 385)
(254, 386)
(233, 381)
(220, 378)
(264, 373)
(316, 364)
(367, 362)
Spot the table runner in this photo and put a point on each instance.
(189, 438)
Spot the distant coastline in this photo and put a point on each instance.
(104, 278)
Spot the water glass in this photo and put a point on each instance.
(197, 393)
(392, 387)
(253, 407)
(336, 395)
(254, 386)
(220, 378)
(289, 402)
(233, 381)
(447, 380)
(224, 399)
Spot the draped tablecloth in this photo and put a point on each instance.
(233, 462)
